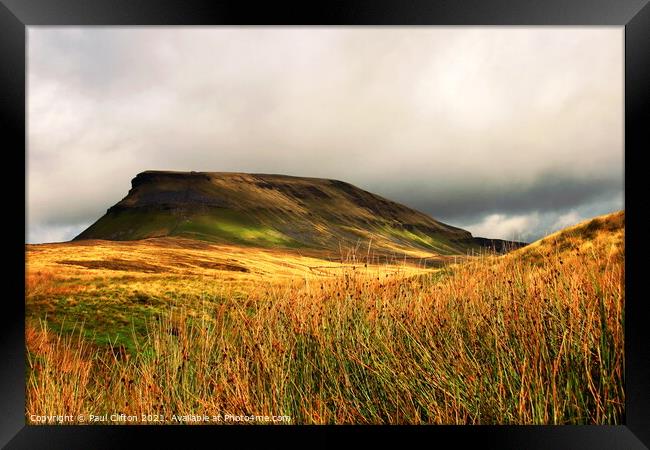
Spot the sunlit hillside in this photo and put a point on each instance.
(181, 327)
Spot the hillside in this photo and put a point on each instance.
(600, 235)
(276, 211)
(532, 337)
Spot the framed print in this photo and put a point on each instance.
(338, 223)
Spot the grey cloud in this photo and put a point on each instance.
(462, 123)
(38, 233)
(535, 224)
(548, 192)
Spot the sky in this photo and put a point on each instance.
(508, 132)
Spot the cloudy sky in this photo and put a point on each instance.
(506, 132)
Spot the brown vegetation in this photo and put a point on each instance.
(534, 337)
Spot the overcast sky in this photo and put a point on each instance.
(506, 132)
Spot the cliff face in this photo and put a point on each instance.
(272, 210)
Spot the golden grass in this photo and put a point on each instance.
(141, 263)
(496, 340)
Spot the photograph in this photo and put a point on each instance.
(325, 225)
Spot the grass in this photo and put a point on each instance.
(113, 287)
(222, 225)
(231, 228)
(126, 225)
(440, 244)
(534, 337)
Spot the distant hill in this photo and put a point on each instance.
(277, 211)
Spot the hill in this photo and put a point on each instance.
(276, 211)
(600, 235)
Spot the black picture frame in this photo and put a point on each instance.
(633, 15)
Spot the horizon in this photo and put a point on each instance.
(343, 181)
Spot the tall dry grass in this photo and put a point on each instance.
(505, 340)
